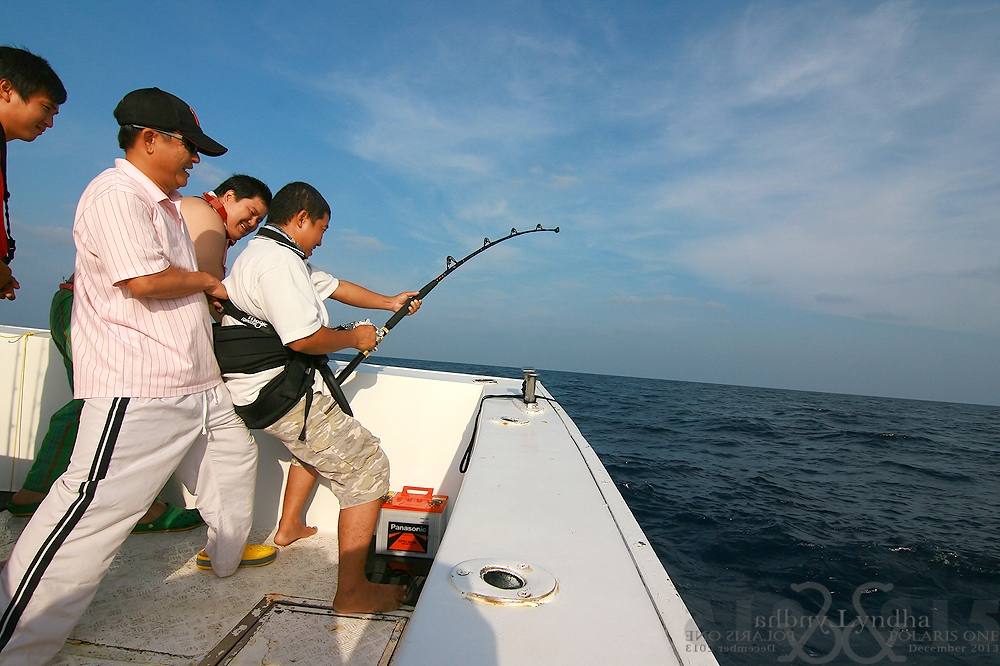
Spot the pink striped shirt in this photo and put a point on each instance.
(126, 227)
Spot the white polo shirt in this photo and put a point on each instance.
(271, 282)
(126, 227)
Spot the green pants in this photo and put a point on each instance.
(53, 456)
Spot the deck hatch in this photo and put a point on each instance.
(273, 632)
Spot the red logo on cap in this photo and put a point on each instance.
(196, 121)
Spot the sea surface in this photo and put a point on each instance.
(805, 528)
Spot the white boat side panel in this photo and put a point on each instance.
(530, 496)
(421, 418)
(36, 374)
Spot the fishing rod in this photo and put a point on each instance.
(450, 267)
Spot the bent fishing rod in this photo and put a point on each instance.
(450, 267)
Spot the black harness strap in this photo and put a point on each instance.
(281, 238)
(254, 349)
(5, 204)
(255, 346)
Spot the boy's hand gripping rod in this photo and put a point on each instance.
(450, 266)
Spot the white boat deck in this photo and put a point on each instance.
(156, 607)
(535, 494)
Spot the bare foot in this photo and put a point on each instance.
(370, 598)
(27, 497)
(288, 535)
(155, 510)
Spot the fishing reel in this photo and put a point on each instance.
(379, 332)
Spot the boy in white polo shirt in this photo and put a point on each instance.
(272, 281)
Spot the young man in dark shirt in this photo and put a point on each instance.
(30, 95)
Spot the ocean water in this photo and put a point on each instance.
(806, 528)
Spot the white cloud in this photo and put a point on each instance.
(664, 298)
(840, 158)
(208, 175)
(438, 138)
(61, 235)
(483, 210)
(563, 181)
(855, 168)
(352, 239)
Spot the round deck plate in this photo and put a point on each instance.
(503, 582)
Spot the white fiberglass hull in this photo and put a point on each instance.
(535, 496)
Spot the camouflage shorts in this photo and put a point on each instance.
(339, 447)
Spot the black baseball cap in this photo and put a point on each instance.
(159, 110)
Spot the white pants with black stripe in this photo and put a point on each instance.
(125, 452)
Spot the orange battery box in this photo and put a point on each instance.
(411, 523)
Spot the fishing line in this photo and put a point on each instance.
(450, 266)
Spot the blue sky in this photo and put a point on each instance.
(799, 195)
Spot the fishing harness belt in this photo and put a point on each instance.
(254, 346)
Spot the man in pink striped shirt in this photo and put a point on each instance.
(155, 402)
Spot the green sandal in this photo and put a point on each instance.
(173, 519)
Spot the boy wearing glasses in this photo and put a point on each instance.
(154, 399)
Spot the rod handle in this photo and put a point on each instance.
(401, 312)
